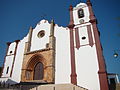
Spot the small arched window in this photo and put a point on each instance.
(80, 13)
(7, 70)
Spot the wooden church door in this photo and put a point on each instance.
(38, 71)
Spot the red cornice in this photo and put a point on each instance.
(89, 2)
(17, 41)
(8, 43)
(71, 8)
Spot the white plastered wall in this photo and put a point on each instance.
(86, 56)
(9, 60)
(87, 67)
(40, 43)
(16, 73)
(8, 63)
(11, 48)
(62, 61)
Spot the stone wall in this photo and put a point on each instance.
(44, 56)
(118, 86)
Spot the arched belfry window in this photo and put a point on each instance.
(38, 71)
(80, 13)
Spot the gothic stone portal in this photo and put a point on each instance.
(35, 68)
(38, 67)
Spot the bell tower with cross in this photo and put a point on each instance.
(87, 61)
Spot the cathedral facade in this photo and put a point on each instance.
(53, 54)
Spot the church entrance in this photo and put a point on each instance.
(38, 71)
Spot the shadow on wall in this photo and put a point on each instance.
(114, 86)
(1, 71)
(7, 84)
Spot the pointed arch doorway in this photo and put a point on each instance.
(35, 68)
(38, 71)
(38, 68)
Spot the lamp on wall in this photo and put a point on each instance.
(115, 55)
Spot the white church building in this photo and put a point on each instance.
(58, 55)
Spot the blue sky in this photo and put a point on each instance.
(16, 16)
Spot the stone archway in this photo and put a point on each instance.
(35, 68)
(43, 62)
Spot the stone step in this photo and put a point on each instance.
(58, 87)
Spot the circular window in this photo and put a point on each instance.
(83, 38)
(10, 52)
(81, 21)
(41, 34)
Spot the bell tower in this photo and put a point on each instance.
(87, 61)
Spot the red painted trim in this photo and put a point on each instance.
(73, 66)
(90, 35)
(77, 38)
(8, 44)
(102, 69)
(17, 41)
(71, 16)
(72, 51)
(92, 16)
